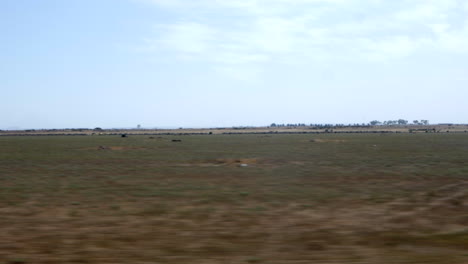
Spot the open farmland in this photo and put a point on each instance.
(278, 199)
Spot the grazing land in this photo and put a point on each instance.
(274, 198)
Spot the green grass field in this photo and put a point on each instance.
(329, 198)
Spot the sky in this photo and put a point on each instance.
(223, 63)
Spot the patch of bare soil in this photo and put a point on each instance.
(320, 140)
(115, 148)
(223, 162)
(240, 162)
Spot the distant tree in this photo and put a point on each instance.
(97, 129)
(273, 125)
(416, 122)
(402, 122)
(375, 122)
(425, 122)
(391, 122)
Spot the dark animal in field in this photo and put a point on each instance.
(123, 135)
(177, 140)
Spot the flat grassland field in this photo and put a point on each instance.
(328, 198)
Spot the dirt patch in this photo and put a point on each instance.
(115, 148)
(319, 140)
(242, 162)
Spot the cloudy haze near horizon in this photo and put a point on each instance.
(214, 63)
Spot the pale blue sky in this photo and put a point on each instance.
(214, 63)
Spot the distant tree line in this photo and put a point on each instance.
(320, 126)
(398, 122)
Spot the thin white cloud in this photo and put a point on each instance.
(394, 47)
(455, 41)
(189, 37)
(237, 32)
(423, 13)
(250, 73)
